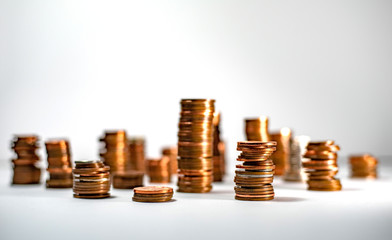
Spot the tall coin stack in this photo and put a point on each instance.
(159, 170)
(321, 166)
(171, 153)
(195, 139)
(136, 154)
(256, 129)
(282, 155)
(59, 164)
(218, 151)
(25, 169)
(294, 170)
(115, 152)
(91, 179)
(363, 166)
(254, 176)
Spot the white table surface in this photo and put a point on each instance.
(363, 210)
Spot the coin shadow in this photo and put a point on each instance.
(288, 199)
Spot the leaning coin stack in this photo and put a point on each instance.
(256, 129)
(136, 154)
(25, 169)
(159, 170)
(195, 139)
(254, 177)
(91, 179)
(294, 171)
(115, 152)
(282, 155)
(363, 166)
(127, 180)
(59, 164)
(152, 194)
(321, 166)
(218, 151)
(171, 153)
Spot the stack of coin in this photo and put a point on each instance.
(25, 169)
(195, 139)
(218, 151)
(91, 179)
(256, 129)
(136, 154)
(159, 170)
(115, 152)
(282, 155)
(127, 180)
(364, 166)
(294, 171)
(59, 164)
(254, 177)
(171, 153)
(152, 194)
(321, 166)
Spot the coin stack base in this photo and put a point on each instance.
(128, 180)
(152, 194)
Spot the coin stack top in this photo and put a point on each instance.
(59, 164)
(256, 129)
(128, 180)
(25, 164)
(254, 177)
(152, 194)
(136, 154)
(195, 139)
(321, 166)
(159, 170)
(218, 151)
(91, 179)
(171, 153)
(363, 166)
(115, 152)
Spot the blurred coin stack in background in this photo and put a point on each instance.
(195, 140)
(59, 164)
(25, 164)
(91, 179)
(159, 170)
(294, 171)
(282, 155)
(136, 154)
(218, 151)
(127, 180)
(321, 166)
(152, 194)
(256, 129)
(363, 166)
(254, 176)
(115, 150)
(171, 153)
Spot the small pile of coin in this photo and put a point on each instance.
(91, 179)
(152, 194)
(256, 129)
(159, 170)
(254, 177)
(294, 170)
(218, 151)
(136, 154)
(195, 139)
(25, 169)
(321, 166)
(115, 152)
(59, 164)
(363, 166)
(127, 180)
(171, 153)
(282, 155)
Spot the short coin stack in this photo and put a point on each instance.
(256, 129)
(363, 166)
(59, 164)
(115, 152)
(91, 179)
(294, 171)
(159, 170)
(152, 194)
(254, 177)
(171, 153)
(25, 169)
(136, 154)
(195, 139)
(128, 180)
(321, 166)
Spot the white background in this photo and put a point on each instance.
(75, 68)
